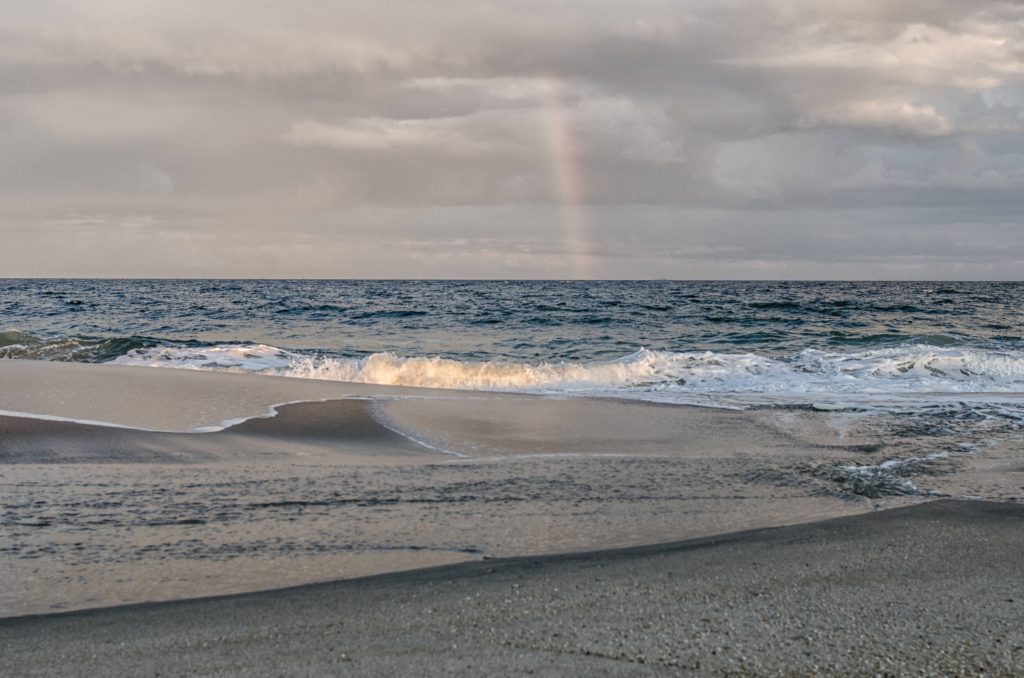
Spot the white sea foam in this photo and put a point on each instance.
(245, 358)
(657, 374)
(884, 477)
(69, 420)
(892, 465)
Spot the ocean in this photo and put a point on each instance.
(713, 343)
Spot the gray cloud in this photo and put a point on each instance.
(699, 138)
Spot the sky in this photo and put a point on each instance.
(801, 139)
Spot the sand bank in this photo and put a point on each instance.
(928, 590)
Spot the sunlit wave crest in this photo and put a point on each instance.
(898, 370)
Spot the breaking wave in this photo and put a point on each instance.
(899, 370)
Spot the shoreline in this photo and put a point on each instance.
(210, 401)
(901, 590)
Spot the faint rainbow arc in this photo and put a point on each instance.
(566, 177)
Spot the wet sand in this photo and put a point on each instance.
(934, 589)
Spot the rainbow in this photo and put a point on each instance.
(565, 177)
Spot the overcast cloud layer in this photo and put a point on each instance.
(537, 138)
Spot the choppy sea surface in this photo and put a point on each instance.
(714, 343)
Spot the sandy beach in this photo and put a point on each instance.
(933, 589)
(126, 486)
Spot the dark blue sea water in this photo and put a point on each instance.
(646, 336)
